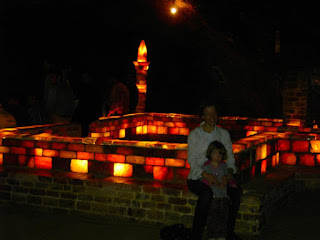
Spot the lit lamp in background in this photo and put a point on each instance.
(141, 66)
(173, 10)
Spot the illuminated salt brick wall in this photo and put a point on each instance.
(115, 155)
(97, 155)
(132, 126)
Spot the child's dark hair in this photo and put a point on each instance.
(217, 145)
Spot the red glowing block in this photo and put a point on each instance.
(307, 160)
(154, 161)
(174, 130)
(174, 162)
(274, 161)
(22, 160)
(162, 173)
(122, 170)
(50, 153)
(182, 173)
(283, 145)
(250, 133)
(1, 159)
(318, 159)
(115, 158)
(148, 169)
(85, 155)
(152, 129)
(264, 166)
(184, 131)
(252, 171)
(187, 165)
(43, 162)
(300, 146)
(288, 158)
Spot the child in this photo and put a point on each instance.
(219, 209)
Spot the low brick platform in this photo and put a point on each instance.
(143, 200)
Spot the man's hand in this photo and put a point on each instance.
(212, 179)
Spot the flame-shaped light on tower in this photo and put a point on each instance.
(141, 66)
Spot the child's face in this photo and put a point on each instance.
(216, 156)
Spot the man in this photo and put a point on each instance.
(198, 142)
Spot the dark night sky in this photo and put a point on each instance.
(102, 36)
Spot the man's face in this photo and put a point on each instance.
(210, 115)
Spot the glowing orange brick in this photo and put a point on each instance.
(85, 155)
(182, 154)
(162, 173)
(79, 166)
(95, 134)
(148, 169)
(139, 130)
(288, 158)
(250, 133)
(43, 162)
(115, 158)
(36, 151)
(283, 145)
(1, 159)
(174, 162)
(122, 133)
(259, 128)
(50, 153)
(315, 146)
(154, 161)
(274, 161)
(135, 159)
(300, 146)
(4, 149)
(184, 131)
(145, 129)
(180, 124)
(152, 129)
(263, 166)
(307, 160)
(173, 130)
(122, 170)
(261, 152)
(169, 124)
(162, 130)
(68, 154)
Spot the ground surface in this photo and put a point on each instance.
(299, 220)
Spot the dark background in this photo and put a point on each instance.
(222, 50)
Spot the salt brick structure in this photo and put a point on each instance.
(135, 166)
